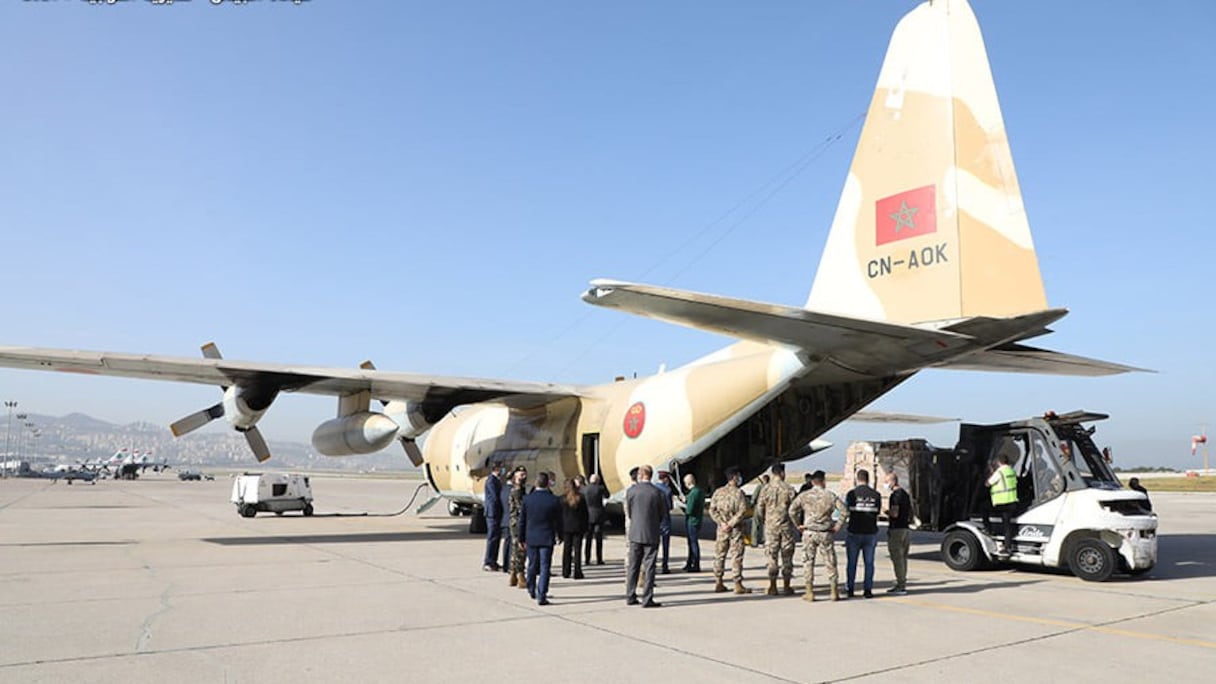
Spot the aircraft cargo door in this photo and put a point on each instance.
(591, 454)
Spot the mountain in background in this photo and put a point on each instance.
(77, 437)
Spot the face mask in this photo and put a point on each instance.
(886, 487)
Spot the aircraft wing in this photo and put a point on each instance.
(1019, 358)
(859, 344)
(431, 390)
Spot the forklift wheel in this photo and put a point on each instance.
(1091, 560)
(961, 551)
(307, 509)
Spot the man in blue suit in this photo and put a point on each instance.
(540, 525)
(493, 508)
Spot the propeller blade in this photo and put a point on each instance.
(412, 450)
(212, 351)
(195, 421)
(257, 444)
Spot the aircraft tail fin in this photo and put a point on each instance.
(930, 225)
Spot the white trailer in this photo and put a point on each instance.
(271, 492)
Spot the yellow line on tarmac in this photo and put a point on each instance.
(1061, 623)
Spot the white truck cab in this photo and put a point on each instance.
(273, 492)
(1072, 510)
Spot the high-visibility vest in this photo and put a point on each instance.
(1005, 491)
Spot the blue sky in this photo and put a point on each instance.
(431, 185)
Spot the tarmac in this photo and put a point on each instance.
(161, 580)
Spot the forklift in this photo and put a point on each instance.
(1072, 511)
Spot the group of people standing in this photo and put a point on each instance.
(816, 514)
(533, 522)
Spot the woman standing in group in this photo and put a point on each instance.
(574, 526)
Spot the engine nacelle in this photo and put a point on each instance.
(245, 406)
(409, 417)
(358, 433)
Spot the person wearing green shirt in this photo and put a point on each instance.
(694, 509)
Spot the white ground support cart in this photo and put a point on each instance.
(273, 492)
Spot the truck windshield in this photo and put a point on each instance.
(1078, 450)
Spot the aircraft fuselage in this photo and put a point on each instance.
(749, 405)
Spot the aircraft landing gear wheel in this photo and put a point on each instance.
(307, 509)
(247, 511)
(477, 522)
(1091, 560)
(961, 551)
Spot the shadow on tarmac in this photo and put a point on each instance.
(354, 538)
(1179, 556)
(70, 543)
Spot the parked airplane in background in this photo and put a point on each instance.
(57, 473)
(929, 263)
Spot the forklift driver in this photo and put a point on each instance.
(1003, 487)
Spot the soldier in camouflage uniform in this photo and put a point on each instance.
(812, 513)
(727, 507)
(515, 505)
(773, 510)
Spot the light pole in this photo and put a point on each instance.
(22, 426)
(8, 433)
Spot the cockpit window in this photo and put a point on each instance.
(1078, 450)
(1048, 477)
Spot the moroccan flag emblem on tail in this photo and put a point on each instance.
(908, 214)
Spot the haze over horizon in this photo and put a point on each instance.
(432, 185)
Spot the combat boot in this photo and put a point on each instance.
(772, 587)
(810, 593)
(740, 589)
(787, 590)
(835, 593)
(719, 588)
(514, 581)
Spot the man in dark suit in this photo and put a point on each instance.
(645, 506)
(540, 523)
(493, 509)
(595, 494)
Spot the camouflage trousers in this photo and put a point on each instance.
(816, 545)
(518, 565)
(779, 547)
(729, 542)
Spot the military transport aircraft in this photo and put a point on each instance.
(929, 263)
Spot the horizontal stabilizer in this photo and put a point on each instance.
(883, 417)
(1019, 358)
(856, 342)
